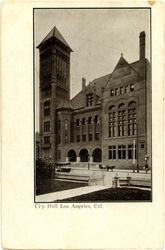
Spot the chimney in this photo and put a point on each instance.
(83, 83)
(142, 44)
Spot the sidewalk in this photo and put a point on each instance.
(50, 197)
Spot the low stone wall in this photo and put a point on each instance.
(96, 180)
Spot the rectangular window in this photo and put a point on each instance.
(90, 137)
(132, 121)
(97, 136)
(90, 120)
(116, 91)
(132, 87)
(46, 139)
(121, 90)
(112, 124)
(83, 137)
(126, 89)
(122, 123)
(47, 126)
(131, 151)
(83, 121)
(78, 138)
(58, 139)
(112, 152)
(89, 100)
(121, 152)
(47, 108)
(97, 119)
(112, 92)
(78, 122)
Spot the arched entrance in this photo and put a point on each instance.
(72, 155)
(97, 157)
(83, 155)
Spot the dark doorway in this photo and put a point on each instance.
(72, 155)
(97, 155)
(83, 155)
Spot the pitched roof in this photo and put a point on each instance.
(100, 83)
(77, 101)
(121, 63)
(65, 105)
(54, 33)
(104, 81)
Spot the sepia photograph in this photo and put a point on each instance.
(92, 105)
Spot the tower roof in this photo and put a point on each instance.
(54, 33)
(65, 105)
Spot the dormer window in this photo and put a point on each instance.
(89, 100)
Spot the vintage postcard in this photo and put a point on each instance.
(82, 125)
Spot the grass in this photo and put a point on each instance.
(111, 194)
(53, 185)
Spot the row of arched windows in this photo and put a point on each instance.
(122, 120)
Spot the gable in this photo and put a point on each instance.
(123, 72)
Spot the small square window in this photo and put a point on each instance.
(121, 90)
(132, 87)
(116, 91)
(112, 92)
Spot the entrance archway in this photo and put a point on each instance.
(72, 155)
(97, 156)
(83, 155)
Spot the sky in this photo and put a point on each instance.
(97, 38)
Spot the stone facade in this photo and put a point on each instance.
(108, 121)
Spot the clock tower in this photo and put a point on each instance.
(54, 54)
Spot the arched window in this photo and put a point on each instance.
(122, 120)
(132, 118)
(66, 131)
(58, 131)
(112, 121)
(78, 130)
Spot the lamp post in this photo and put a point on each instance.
(134, 145)
(137, 149)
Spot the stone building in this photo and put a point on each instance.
(108, 121)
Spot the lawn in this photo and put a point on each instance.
(53, 185)
(111, 194)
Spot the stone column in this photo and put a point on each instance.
(78, 159)
(66, 158)
(91, 159)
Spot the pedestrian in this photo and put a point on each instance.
(146, 167)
